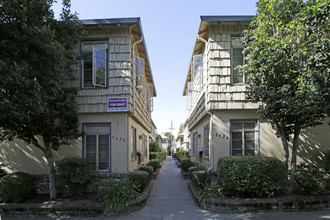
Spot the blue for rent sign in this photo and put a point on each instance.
(117, 104)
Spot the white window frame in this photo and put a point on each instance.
(133, 144)
(244, 79)
(206, 152)
(243, 138)
(139, 72)
(97, 147)
(95, 83)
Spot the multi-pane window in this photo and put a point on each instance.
(94, 64)
(244, 138)
(206, 140)
(145, 146)
(97, 146)
(140, 71)
(198, 72)
(237, 59)
(194, 142)
(133, 143)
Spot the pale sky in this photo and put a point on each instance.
(170, 29)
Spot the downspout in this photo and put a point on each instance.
(211, 116)
(133, 101)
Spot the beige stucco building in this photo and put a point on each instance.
(221, 120)
(116, 88)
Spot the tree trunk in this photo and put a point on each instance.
(285, 157)
(51, 169)
(295, 144)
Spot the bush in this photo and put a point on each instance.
(181, 154)
(3, 172)
(155, 163)
(154, 147)
(148, 169)
(73, 174)
(326, 161)
(140, 178)
(200, 178)
(185, 164)
(208, 191)
(251, 176)
(16, 187)
(194, 168)
(118, 194)
(157, 155)
(309, 178)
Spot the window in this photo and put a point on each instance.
(194, 142)
(206, 140)
(197, 73)
(244, 138)
(94, 64)
(140, 71)
(164, 141)
(97, 146)
(133, 144)
(145, 146)
(237, 58)
(149, 101)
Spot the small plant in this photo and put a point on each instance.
(148, 169)
(118, 194)
(16, 187)
(155, 163)
(208, 191)
(3, 172)
(309, 178)
(185, 164)
(73, 174)
(194, 168)
(140, 178)
(200, 178)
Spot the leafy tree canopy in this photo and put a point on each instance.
(287, 61)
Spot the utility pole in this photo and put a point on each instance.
(171, 138)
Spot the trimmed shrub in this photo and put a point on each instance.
(194, 168)
(140, 178)
(118, 194)
(200, 178)
(154, 147)
(185, 164)
(155, 163)
(16, 187)
(73, 174)
(148, 169)
(251, 176)
(209, 191)
(181, 154)
(309, 178)
(157, 155)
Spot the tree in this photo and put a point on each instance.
(287, 61)
(36, 57)
(170, 141)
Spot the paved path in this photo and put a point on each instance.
(170, 199)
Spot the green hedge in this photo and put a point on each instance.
(155, 163)
(194, 168)
(157, 155)
(185, 164)
(200, 178)
(148, 169)
(140, 178)
(16, 187)
(251, 176)
(73, 174)
(181, 154)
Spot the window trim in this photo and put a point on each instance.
(208, 138)
(145, 145)
(83, 142)
(257, 133)
(231, 62)
(81, 82)
(135, 147)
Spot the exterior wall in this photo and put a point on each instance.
(221, 93)
(140, 130)
(119, 139)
